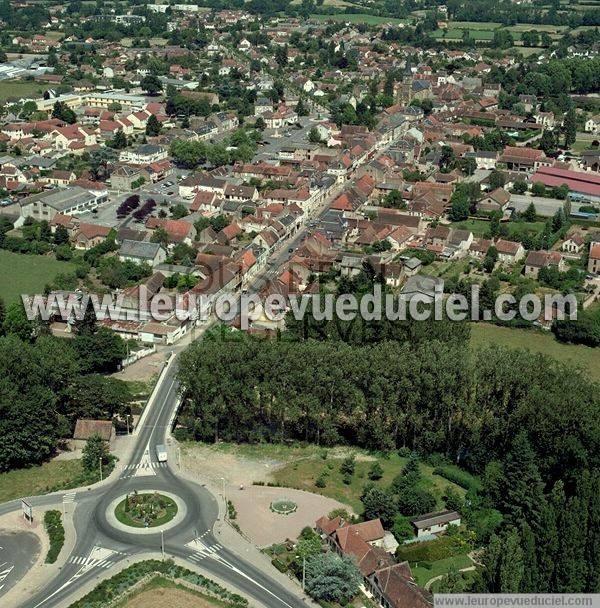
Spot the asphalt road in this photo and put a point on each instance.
(100, 545)
(18, 552)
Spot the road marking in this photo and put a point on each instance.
(4, 573)
(202, 550)
(69, 497)
(238, 571)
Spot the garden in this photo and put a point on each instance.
(146, 510)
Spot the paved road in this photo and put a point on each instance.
(18, 552)
(99, 545)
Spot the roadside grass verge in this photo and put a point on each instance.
(41, 479)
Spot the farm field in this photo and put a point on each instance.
(538, 341)
(15, 89)
(357, 18)
(28, 274)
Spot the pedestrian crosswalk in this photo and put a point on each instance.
(99, 557)
(202, 550)
(69, 497)
(141, 469)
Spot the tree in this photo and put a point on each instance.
(16, 322)
(379, 503)
(61, 235)
(332, 578)
(153, 126)
(570, 127)
(496, 179)
(101, 351)
(376, 471)
(301, 108)
(96, 397)
(538, 189)
(119, 141)
(402, 528)
(62, 111)
(548, 142)
(460, 207)
(491, 257)
(447, 159)
(314, 136)
(161, 236)
(95, 454)
(151, 84)
(530, 214)
(260, 124)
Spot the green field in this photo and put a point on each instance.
(515, 229)
(439, 567)
(27, 274)
(357, 18)
(15, 89)
(302, 473)
(48, 477)
(538, 341)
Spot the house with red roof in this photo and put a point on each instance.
(178, 231)
(594, 258)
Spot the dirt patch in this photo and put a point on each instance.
(263, 527)
(214, 465)
(243, 465)
(144, 369)
(159, 598)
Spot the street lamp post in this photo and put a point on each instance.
(100, 466)
(162, 544)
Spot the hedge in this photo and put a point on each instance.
(114, 587)
(458, 476)
(56, 534)
(434, 550)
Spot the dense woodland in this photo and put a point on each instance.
(46, 383)
(502, 414)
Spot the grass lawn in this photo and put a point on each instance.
(15, 89)
(303, 472)
(47, 477)
(442, 566)
(357, 18)
(167, 513)
(538, 341)
(22, 273)
(515, 229)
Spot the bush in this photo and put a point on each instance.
(321, 481)
(56, 534)
(375, 472)
(279, 564)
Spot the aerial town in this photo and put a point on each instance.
(260, 150)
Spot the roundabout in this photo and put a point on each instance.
(146, 512)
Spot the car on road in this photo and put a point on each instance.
(161, 453)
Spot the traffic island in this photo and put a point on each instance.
(146, 512)
(283, 507)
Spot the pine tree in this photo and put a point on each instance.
(570, 127)
(571, 567)
(592, 549)
(512, 566)
(153, 126)
(530, 573)
(522, 492)
(547, 541)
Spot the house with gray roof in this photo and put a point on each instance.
(142, 252)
